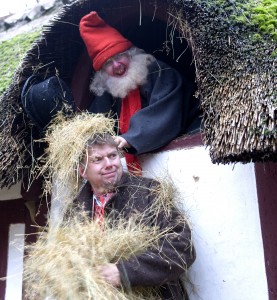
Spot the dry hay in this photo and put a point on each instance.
(166, 194)
(62, 264)
(67, 139)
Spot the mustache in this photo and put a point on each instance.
(120, 87)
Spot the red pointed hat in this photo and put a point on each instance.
(102, 41)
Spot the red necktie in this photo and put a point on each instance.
(99, 206)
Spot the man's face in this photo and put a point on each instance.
(126, 74)
(102, 168)
(118, 65)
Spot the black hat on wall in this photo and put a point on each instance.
(42, 98)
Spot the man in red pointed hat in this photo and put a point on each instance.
(147, 96)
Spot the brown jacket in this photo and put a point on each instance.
(163, 267)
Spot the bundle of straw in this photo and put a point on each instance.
(62, 264)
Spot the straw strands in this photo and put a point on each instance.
(62, 264)
(235, 64)
(166, 195)
(66, 139)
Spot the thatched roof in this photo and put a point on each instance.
(229, 48)
(236, 76)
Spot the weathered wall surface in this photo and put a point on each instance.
(221, 201)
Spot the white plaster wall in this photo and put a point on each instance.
(15, 262)
(221, 201)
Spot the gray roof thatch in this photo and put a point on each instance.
(232, 56)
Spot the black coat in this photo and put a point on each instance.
(166, 109)
(161, 268)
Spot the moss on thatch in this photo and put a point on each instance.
(11, 53)
(236, 76)
(261, 14)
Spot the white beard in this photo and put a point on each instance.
(120, 86)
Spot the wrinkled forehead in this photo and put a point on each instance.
(99, 150)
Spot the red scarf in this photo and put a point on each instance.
(130, 105)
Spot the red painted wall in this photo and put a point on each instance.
(11, 212)
(266, 178)
(15, 211)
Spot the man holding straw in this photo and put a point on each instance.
(118, 194)
(114, 235)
